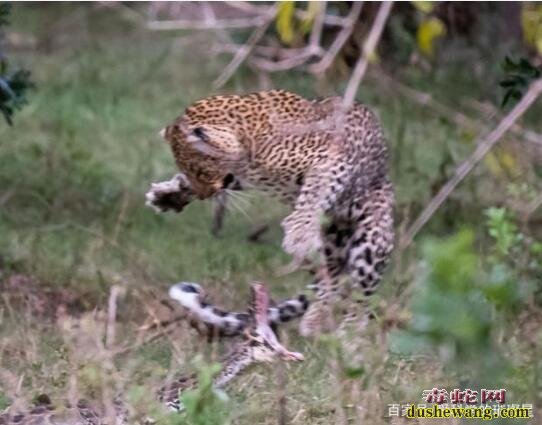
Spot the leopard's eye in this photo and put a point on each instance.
(198, 132)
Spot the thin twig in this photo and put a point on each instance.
(122, 214)
(146, 340)
(111, 317)
(318, 25)
(4, 197)
(251, 22)
(339, 41)
(491, 110)
(329, 324)
(126, 11)
(368, 49)
(268, 58)
(459, 118)
(281, 384)
(210, 17)
(244, 51)
(329, 20)
(532, 207)
(270, 52)
(483, 147)
(425, 99)
(282, 65)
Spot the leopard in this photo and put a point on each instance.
(327, 161)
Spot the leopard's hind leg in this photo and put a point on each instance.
(369, 249)
(356, 249)
(371, 243)
(327, 277)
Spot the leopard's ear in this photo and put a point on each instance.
(166, 132)
(198, 140)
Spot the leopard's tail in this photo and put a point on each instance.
(225, 323)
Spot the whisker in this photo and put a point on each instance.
(239, 198)
(236, 195)
(235, 204)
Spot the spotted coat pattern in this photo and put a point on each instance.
(259, 345)
(327, 162)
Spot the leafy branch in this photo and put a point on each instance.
(519, 75)
(14, 85)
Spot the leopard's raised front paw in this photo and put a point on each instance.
(172, 194)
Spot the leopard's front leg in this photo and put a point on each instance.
(304, 239)
(323, 184)
(173, 194)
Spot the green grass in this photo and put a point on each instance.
(74, 170)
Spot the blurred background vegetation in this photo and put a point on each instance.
(461, 307)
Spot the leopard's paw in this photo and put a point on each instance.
(172, 194)
(303, 242)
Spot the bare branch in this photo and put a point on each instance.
(339, 41)
(532, 207)
(270, 52)
(111, 317)
(425, 99)
(483, 147)
(292, 57)
(126, 11)
(261, 57)
(368, 50)
(318, 25)
(210, 16)
(329, 20)
(4, 197)
(180, 24)
(528, 135)
(282, 65)
(459, 118)
(244, 51)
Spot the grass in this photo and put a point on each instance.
(74, 170)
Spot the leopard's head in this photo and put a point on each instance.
(207, 143)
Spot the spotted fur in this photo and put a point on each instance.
(224, 323)
(82, 413)
(326, 162)
(260, 345)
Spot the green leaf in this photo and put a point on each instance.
(5, 10)
(205, 405)
(13, 90)
(519, 76)
(354, 372)
(285, 21)
(313, 8)
(4, 401)
(531, 25)
(428, 32)
(424, 6)
(503, 230)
